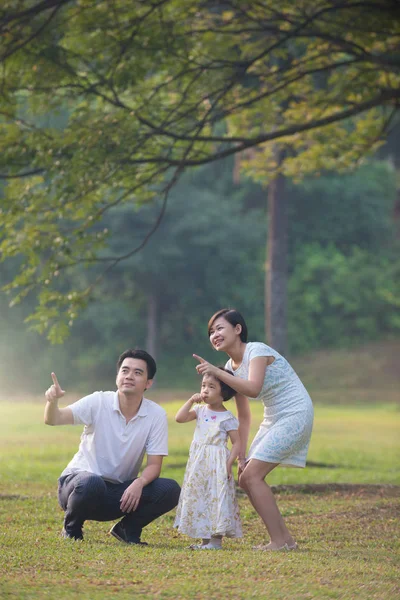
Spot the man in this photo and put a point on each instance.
(101, 482)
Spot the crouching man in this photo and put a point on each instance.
(101, 482)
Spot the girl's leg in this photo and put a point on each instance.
(216, 542)
(262, 498)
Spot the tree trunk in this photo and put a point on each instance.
(276, 271)
(151, 339)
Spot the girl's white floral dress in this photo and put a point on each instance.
(207, 504)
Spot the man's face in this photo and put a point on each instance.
(132, 377)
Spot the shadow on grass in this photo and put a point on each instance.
(343, 488)
(312, 464)
(321, 465)
(386, 490)
(367, 489)
(13, 497)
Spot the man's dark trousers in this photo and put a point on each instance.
(85, 496)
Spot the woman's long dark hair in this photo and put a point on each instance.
(233, 317)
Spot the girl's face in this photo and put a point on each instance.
(223, 335)
(211, 391)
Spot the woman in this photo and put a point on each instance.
(284, 434)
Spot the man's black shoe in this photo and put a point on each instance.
(68, 536)
(120, 533)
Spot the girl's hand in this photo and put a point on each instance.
(229, 470)
(196, 398)
(205, 367)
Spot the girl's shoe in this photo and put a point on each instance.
(210, 547)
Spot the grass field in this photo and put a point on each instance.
(343, 509)
(348, 534)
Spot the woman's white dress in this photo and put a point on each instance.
(207, 504)
(285, 432)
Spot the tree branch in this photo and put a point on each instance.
(25, 174)
(31, 12)
(34, 35)
(383, 98)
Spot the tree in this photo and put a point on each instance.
(343, 257)
(190, 267)
(345, 297)
(342, 265)
(152, 88)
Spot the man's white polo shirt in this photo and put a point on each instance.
(111, 447)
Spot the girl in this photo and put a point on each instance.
(207, 506)
(283, 438)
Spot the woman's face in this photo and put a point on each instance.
(223, 335)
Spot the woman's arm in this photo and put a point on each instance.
(235, 439)
(244, 416)
(185, 413)
(250, 387)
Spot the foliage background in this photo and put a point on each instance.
(100, 113)
(344, 277)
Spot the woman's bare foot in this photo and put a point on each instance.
(274, 547)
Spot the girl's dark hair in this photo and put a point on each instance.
(226, 391)
(233, 317)
(143, 355)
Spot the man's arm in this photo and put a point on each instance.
(53, 415)
(131, 496)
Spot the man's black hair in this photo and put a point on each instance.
(142, 355)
